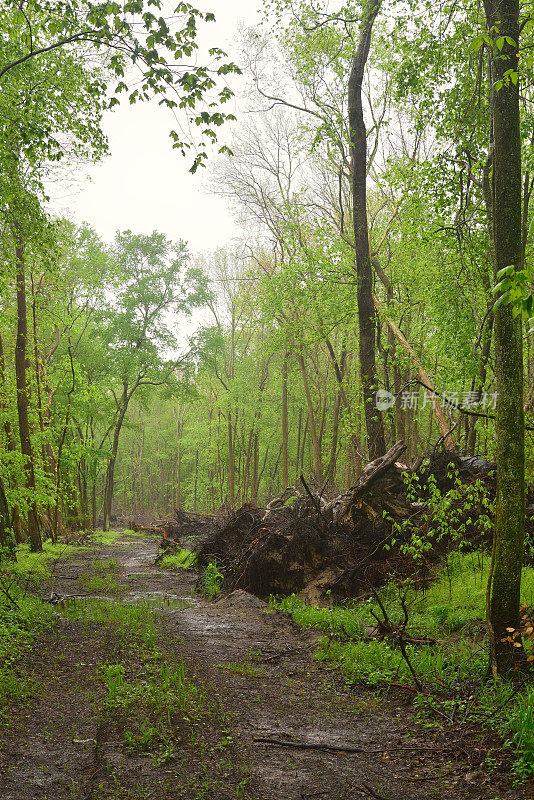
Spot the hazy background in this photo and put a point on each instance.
(144, 184)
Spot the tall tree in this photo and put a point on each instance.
(154, 282)
(364, 268)
(502, 19)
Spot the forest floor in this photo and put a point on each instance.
(142, 689)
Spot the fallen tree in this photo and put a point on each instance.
(342, 548)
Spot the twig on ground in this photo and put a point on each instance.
(337, 748)
(366, 788)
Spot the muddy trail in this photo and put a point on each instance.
(261, 719)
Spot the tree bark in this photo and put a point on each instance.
(21, 364)
(316, 444)
(7, 542)
(424, 378)
(231, 461)
(285, 463)
(110, 472)
(503, 16)
(11, 446)
(364, 270)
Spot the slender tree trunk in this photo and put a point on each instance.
(93, 501)
(7, 542)
(11, 446)
(298, 446)
(316, 444)
(21, 364)
(424, 378)
(255, 485)
(364, 270)
(331, 471)
(503, 15)
(110, 472)
(196, 481)
(231, 461)
(285, 460)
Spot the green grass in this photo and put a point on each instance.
(211, 580)
(137, 620)
(19, 627)
(102, 576)
(109, 537)
(452, 670)
(183, 559)
(149, 689)
(455, 602)
(39, 563)
(246, 669)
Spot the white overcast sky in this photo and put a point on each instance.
(144, 184)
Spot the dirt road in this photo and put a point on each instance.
(274, 725)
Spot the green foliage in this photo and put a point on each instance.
(466, 508)
(521, 734)
(20, 625)
(245, 669)
(211, 580)
(183, 559)
(109, 537)
(454, 602)
(45, 36)
(39, 564)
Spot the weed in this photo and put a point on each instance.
(243, 669)
(20, 625)
(109, 537)
(521, 734)
(183, 559)
(211, 581)
(454, 666)
(144, 740)
(38, 564)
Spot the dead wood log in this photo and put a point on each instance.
(339, 509)
(279, 502)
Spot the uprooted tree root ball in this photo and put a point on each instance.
(395, 521)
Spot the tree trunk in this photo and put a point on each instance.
(316, 444)
(285, 463)
(255, 485)
(110, 472)
(503, 15)
(231, 462)
(21, 364)
(11, 446)
(196, 482)
(298, 446)
(7, 542)
(364, 270)
(424, 378)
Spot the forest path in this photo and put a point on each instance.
(256, 673)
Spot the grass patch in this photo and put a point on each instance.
(453, 670)
(137, 621)
(102, 576)
(150, 695)
(183, 559)
(20, 625)
(211, 580)
(38, 564)
(108, 537)
(246, 669)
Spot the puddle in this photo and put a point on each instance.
(161, 599)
